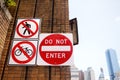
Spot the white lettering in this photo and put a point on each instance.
(55, 55)
(61, 41)
(50, 41)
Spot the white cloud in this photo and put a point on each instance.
(117, 19)
(119, 62)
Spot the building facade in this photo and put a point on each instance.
(5, 19)
(55, 19)
(74, 73)
(89, 74)
(101, 76)
(117, 76)
(81, 74)
(112, 62)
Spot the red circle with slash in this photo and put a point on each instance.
(29, 58)
(30, 30)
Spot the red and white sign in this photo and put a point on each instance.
(27, 28)
(55, 49)
(23, 52)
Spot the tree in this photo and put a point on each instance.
(10, 3)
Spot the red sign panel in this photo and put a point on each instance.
(55, 49)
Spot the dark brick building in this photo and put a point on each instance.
(55, 19)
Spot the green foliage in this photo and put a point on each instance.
(10, 3)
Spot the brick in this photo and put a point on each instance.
(26, 9)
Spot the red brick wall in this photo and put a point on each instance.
(53, 20)
(4, 23)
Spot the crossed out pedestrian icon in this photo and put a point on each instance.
(28, 26)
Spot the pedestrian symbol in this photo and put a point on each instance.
(27, 28)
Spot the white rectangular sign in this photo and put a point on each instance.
(55, 49)
(23, 53)
(27, 28)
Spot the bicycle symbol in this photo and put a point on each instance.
(18, 52)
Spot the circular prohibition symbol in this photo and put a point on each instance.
(56, 56)
(26, 26)
(29, 57)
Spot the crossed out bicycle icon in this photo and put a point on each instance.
(18, 52)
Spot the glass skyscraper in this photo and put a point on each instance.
(112, 62)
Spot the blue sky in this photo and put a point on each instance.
(99, 29)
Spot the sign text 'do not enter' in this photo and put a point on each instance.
(55, 49)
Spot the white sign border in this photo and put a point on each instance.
(38, 20)
(26, 64)
(41, 62)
